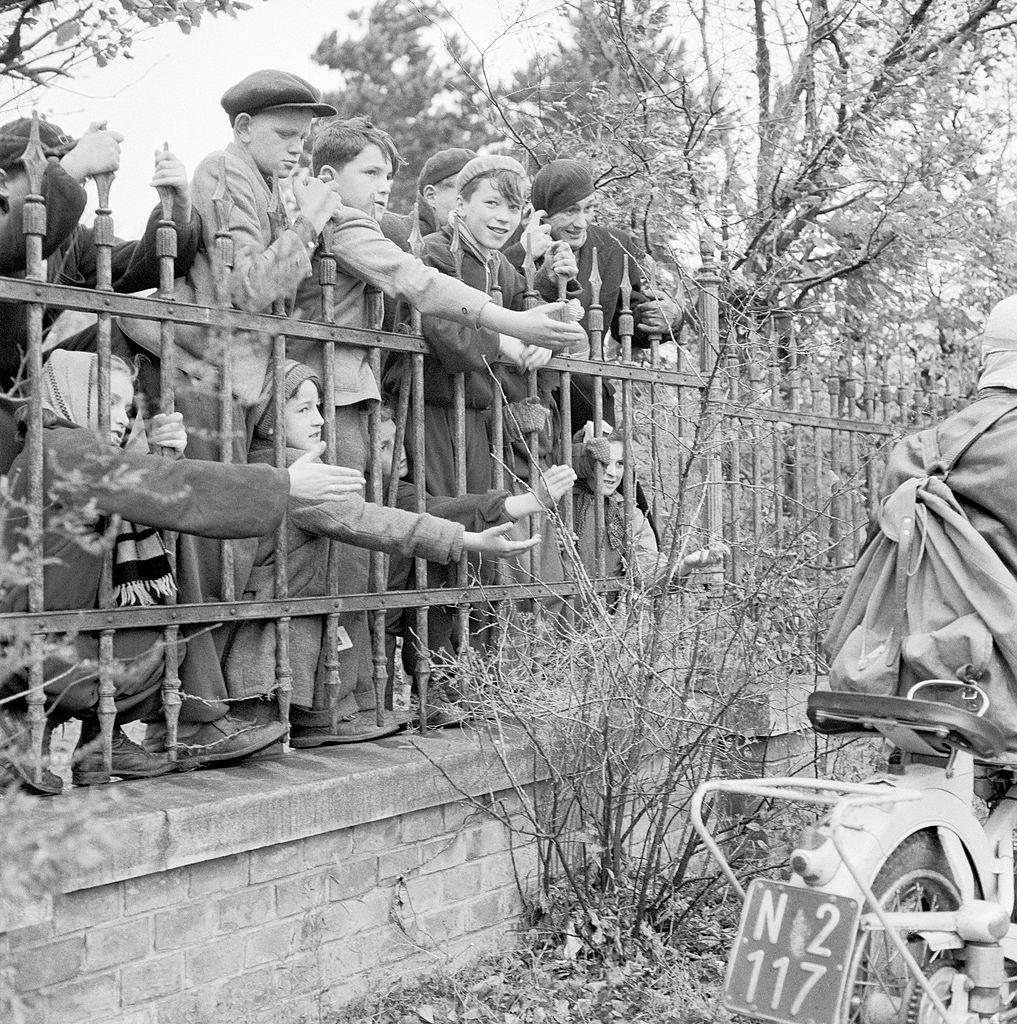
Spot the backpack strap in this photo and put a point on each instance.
(939, 463)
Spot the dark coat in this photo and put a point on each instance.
(250, 659)
(73, 258)
(611, 245)
(183, 495)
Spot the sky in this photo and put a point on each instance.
(170, 91)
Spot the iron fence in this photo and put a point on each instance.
(747, 432)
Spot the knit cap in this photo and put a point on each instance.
(481, 165)
(999, 346)
(14, 138)
(442, 165)
(294, 376)
(561, 184)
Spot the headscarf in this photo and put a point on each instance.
(141, 570)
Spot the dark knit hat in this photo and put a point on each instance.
(295, 375)
(14, 138)
(267, 89)
(481, 165)
(561, 184)
(442, 165)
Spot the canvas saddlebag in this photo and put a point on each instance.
(929, 598)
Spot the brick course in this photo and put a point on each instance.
(284, 933)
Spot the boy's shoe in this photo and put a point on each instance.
(361, 729)
(229, 739)
(17, 761)
(130, 761)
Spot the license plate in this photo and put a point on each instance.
(790, 959)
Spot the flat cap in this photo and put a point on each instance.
(267, 89)
(442, 165)
(14, 139)
(481, 165)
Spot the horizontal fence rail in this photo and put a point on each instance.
(737, 428)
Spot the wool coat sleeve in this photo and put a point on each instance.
(190, 496)
(262, 272)
(458, 346)
(65, 203)
(135, 265)
(361, 250)
(352, 520)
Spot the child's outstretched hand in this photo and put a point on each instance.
(553, 484)
(316, 200)
(534, 357)
(706, 558)
(311, 480)
(494, 541)
(171, 173)
(543, 326)
(168, 431)
(96, 152)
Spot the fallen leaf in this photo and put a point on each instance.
(426, 1013)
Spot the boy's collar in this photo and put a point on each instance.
(235, 149)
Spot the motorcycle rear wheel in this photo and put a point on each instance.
(880, 988)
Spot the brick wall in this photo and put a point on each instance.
(405, 875)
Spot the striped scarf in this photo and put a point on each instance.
(141, 569)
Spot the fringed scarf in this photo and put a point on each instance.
(141, 569)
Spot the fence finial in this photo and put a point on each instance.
(596, 281)
(34, 157)
(707, 247)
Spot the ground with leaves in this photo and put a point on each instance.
(543, 983)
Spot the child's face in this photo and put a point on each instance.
(365, 182)
(489, 216)
(303, 421)
(570, 225)
(614, 471)
(387, 430)
(274, 138)
(121, 398)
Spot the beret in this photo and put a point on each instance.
(480, 165)
(14, 139)
(442, 165)
(561, 184)
(1000, 333)
(266, 89)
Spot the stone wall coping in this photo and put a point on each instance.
(160, 824)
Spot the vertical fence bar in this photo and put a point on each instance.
(283, 670)
(326, 280)
(166, 249)
(530, 300)
(379, 562)
(595, 318)
(102, 237)
(708, 279)
(222, 205)
(656, 479)
(422, 663)
(626, 326)
(34, 226)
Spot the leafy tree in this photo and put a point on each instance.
(395, 71)
(847, 159)
(47, 39)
